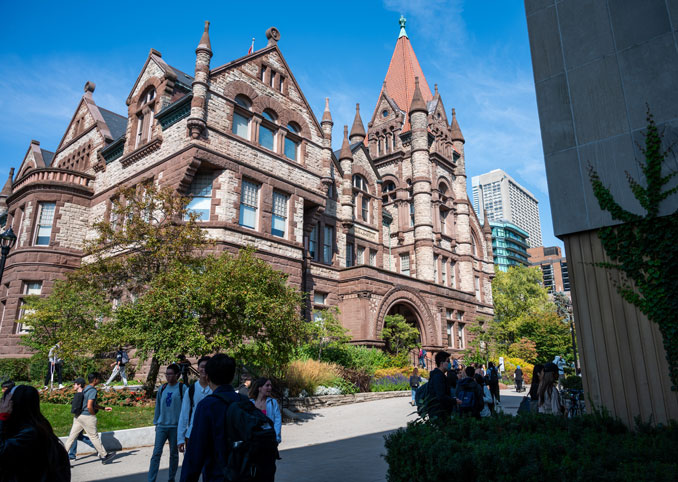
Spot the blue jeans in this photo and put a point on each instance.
(82, 438)
(162, 434)
(414, 392)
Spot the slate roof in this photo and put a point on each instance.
(47, 156)
(183, 79)
(115, 122)
(352, 147)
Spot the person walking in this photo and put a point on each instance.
(55, 365)
(422, 358)
(469, 395)
(493, 382)
(168, 403)
(441, 403)
(518, 376)
(559, 361)
(208, 450)
(121, 360)
(260, 396)
(184, 368)
(537, 373)
(76, 409)
(29, 450)
(488, 401)
(549, 396)
(87, 420)
(196, 393)
(415, 381)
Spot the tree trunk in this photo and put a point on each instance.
(149, 387)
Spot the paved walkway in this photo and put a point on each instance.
(345, 442)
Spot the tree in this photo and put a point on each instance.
(398, 334)
(525, 349)
(550, 334)
(483, 341)
(518, 296)
(642, 247)
(236, 303)
(326, 331)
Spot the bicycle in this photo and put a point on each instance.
(576, 402)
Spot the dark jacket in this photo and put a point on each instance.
(534, 389)
(468, 384)
(208, 445)
(26, 456)
(415, 381)
(442, 403)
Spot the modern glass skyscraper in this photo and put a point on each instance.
(504, 199)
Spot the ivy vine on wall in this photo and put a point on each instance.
(644, 247)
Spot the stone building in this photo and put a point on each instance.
(383, 225)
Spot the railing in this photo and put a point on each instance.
(49, 174)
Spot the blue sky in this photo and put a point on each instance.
(476, 51)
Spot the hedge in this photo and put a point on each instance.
(35, 368)
(532, 448)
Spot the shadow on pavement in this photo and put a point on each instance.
(302, 417)
(356, 459)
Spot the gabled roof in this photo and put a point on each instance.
(182, 78)
(116, 123)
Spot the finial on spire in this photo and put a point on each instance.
(327, 117)
(418, 104)
(435, 87)
(345, 148)
(273, 35)
(455, 131)
(205, 39)
(357, 131)
(90, 86)
(402, 22)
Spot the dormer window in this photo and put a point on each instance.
(145, 112)
(242, 116)
(267, 129)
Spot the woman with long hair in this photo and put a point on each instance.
(537, 373)
(260, 396)
(549, 396)
(29, 450)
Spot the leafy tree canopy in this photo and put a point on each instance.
(398, 334)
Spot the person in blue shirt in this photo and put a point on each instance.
(167, 410)
(208, 450)
(196, 393)
(260, 396)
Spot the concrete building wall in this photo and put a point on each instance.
(598, 66)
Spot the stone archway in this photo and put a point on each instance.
(408, 312)
(403, 296)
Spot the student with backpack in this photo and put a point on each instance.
(121, 360)
(437, 401)
(76, 409)
(196, 393)
(230, 437)
(469, 395)
(260, 396)
(167, 410)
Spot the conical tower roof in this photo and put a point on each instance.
(357, 130)
(455, 131)
(402, 71)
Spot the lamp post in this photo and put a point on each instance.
(7, 241)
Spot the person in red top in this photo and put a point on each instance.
(260, 396)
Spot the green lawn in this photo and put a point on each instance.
(120, 418)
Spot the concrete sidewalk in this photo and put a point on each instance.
(343, 443)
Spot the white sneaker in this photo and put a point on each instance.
(45, 387)
(61, 386)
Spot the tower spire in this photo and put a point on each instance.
(205, 39)
(357, 130)
(418, 104)
(197, 122)
(345, 152)
(455, 131)
(327, 117)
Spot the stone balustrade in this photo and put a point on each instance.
(53, 175)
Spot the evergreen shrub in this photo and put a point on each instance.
(532, 447)
(16, 369)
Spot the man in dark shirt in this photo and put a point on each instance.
(442, 403)
(208, 451)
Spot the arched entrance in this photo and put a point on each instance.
(410, 315)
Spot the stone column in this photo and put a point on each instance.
(197, 122)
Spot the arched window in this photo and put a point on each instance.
(242, 116)
(442, 188)
(292, 141)
(443, 221)
(267, 129)
(145, 112)
(474, 246)
(361, 197)
(388, 191)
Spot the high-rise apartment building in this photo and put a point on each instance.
(509, 245)
(502, 198)
(553, 267)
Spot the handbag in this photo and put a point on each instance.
(524, 405)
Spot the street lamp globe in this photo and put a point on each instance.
(8, 239)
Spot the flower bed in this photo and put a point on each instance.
(390, 383)
(109, 398)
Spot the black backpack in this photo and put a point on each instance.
(471, 399)
(494, 374)
(252, 442)
(76, 404)
(422, 398)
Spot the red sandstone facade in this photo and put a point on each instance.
(382, 226)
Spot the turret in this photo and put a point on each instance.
(326, 125)
(346, 163)
(421, 186)
(197, 122)
(357, 131)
